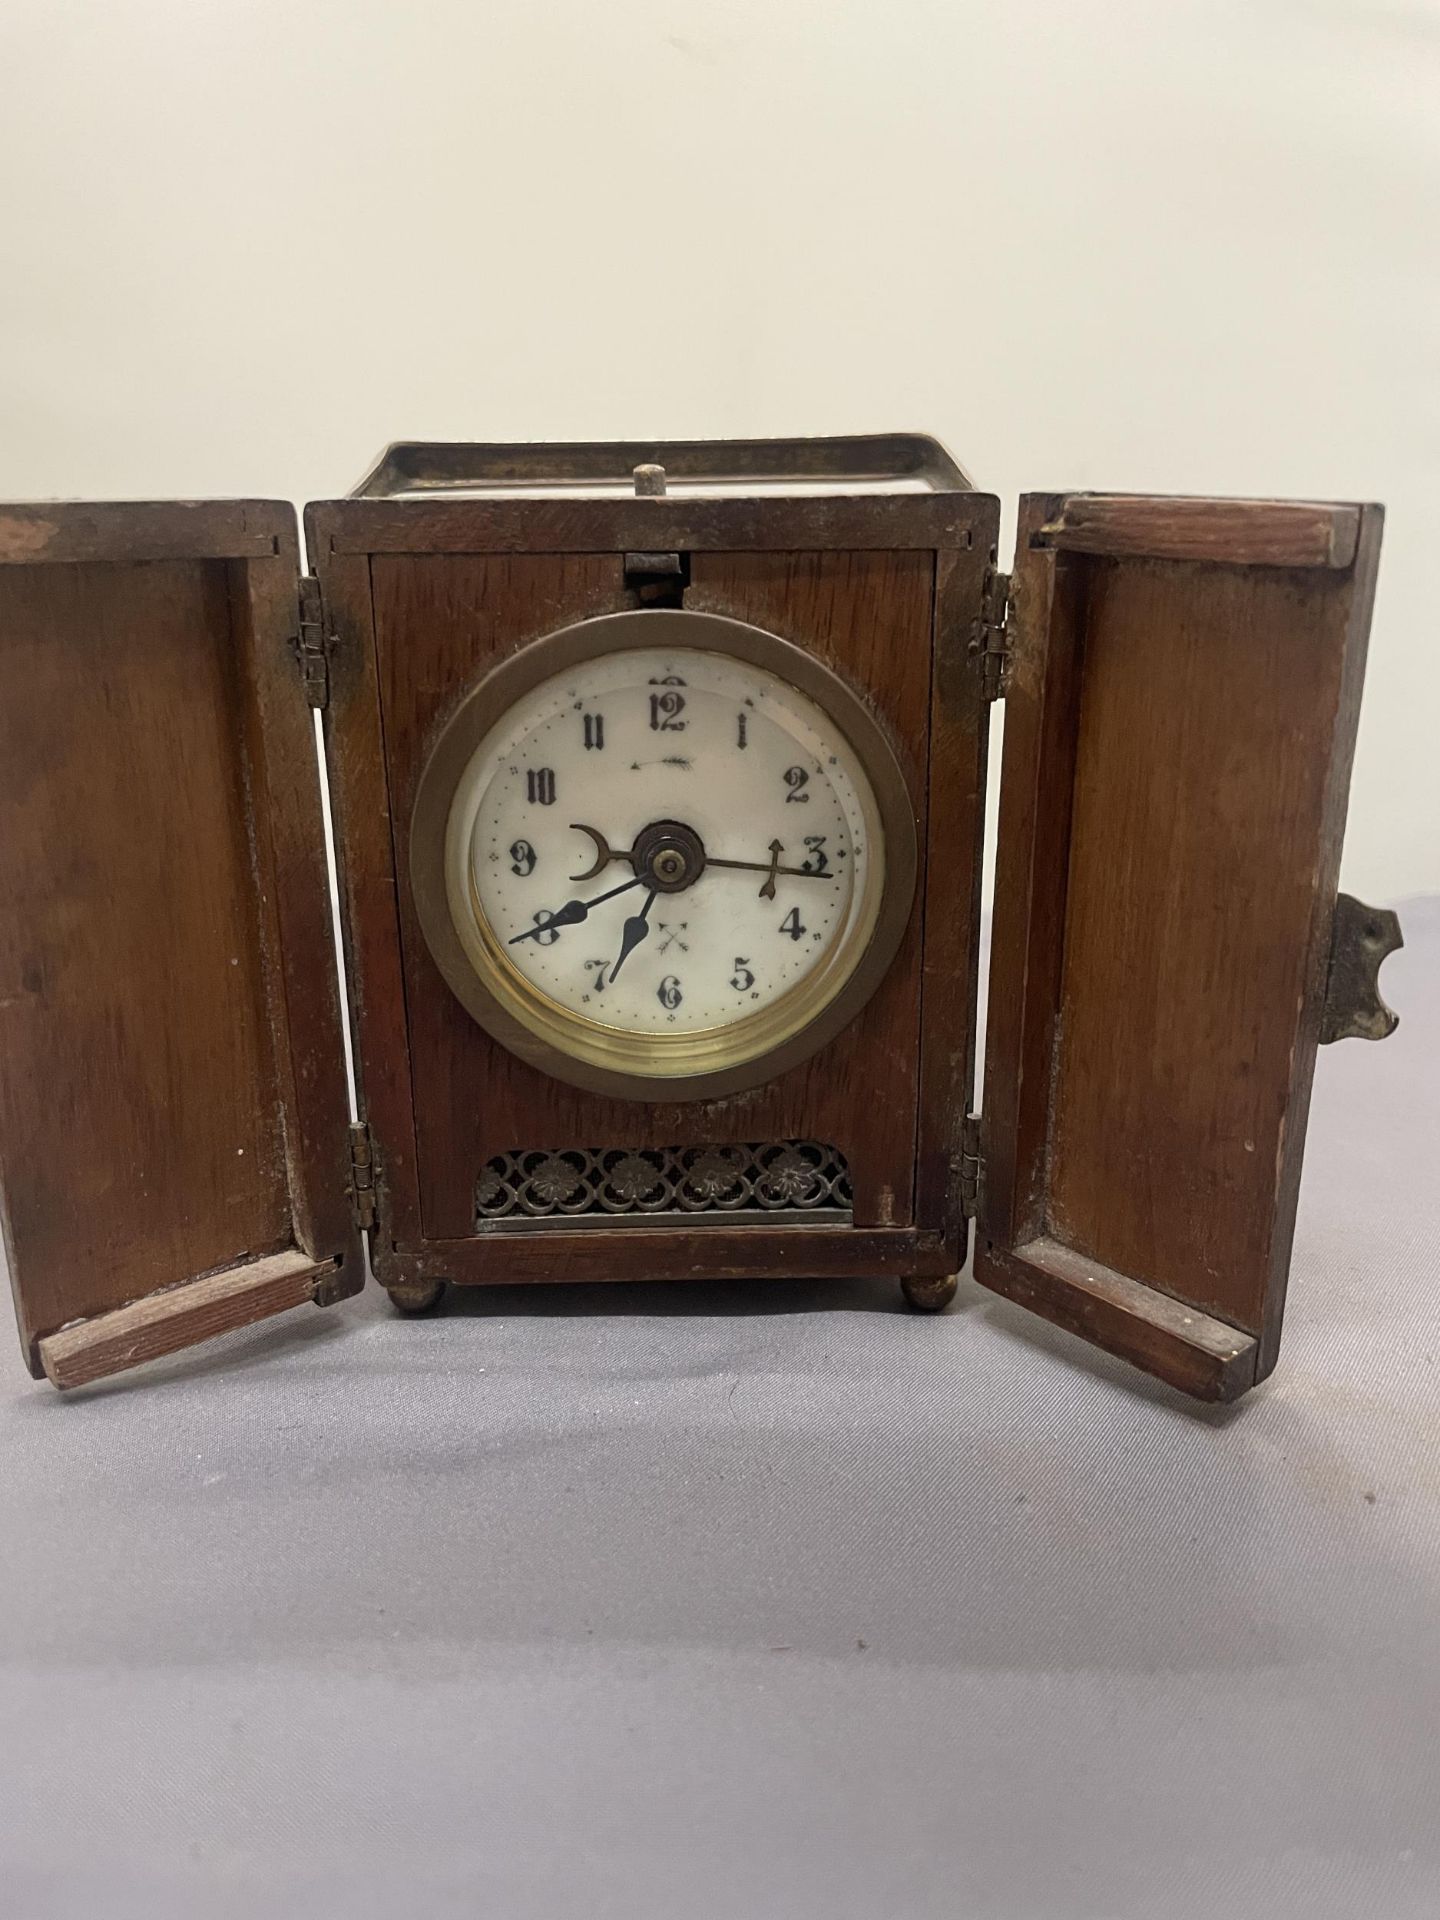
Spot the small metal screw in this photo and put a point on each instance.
(649, 482)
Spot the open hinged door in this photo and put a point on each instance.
(174, 1141)
(1181, 701)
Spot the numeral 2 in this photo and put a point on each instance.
(797, 779)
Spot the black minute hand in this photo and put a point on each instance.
(636, 928)
(571, 914)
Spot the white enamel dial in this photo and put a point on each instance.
(667, 844)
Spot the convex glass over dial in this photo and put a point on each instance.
(666, 857)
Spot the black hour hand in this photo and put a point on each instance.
(571, 914)
(636, 928)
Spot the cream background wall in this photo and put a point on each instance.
(1189, 247)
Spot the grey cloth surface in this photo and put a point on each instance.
(737, 1601)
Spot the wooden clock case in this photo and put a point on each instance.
(1182, 683)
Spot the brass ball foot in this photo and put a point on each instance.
(419, 1298)
(926, 1294)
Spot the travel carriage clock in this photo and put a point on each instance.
(657, 779)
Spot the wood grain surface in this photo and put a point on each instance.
(678, 523)
(735, 1251)
(179, 1317)
(171, 1079)
(953, 861)
(1239, 533)
(439, 620)
(1178, 746)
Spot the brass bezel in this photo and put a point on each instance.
(673, 629)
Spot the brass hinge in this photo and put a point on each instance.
(972, 1166)
(314, 665)
(991, 642)
(362, 1175)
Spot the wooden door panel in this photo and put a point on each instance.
(1179, 729)
(171, 1092)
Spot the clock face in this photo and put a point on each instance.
(665, 861)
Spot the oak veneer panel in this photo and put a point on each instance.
(138, 1086)
(439, 621)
